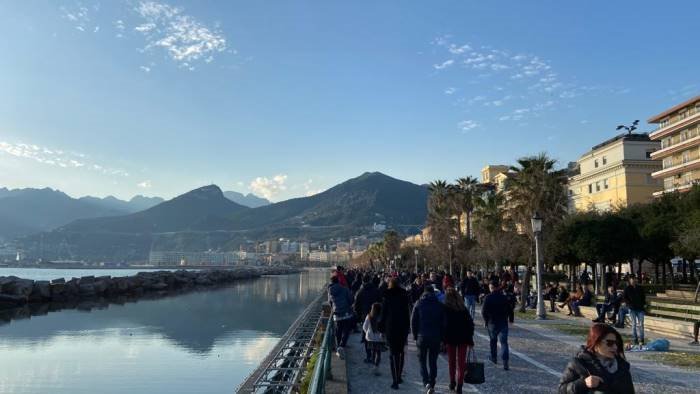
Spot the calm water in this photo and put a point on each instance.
(205, 342)
(50, 274)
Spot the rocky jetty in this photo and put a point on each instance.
(16, 292)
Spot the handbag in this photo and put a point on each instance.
(475, 369)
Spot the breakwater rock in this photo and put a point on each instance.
(16, 292)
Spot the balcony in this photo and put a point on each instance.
(658, 134)
(661, 153)
(681, 187)
(677, 169)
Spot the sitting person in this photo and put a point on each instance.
(587, 298)
(574, 302)
(611, 301)
(551, 293)
(622, 313)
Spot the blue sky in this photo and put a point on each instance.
(285, 99)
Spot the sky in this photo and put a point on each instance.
(286, 99)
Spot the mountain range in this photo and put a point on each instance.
(205, 218)
(27, 211)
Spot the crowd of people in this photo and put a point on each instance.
(439, 311)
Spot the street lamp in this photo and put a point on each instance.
(449, 249)
(415, 252)
(537, 231)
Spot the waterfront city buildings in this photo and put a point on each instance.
(679, 135)
(614, 173)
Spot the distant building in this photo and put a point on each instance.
(171, 258)
(488, 173)
(615, 173)
(679, 135)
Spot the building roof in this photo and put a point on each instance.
(657, 118)
(625, 137)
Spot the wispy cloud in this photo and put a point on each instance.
(467, 125)
(79, 16)
(269, 187)
(309, 189)
(443, 65)
(56, 157)
(185, 39)
(145, 184)
(450, 91)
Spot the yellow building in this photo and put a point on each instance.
(489, 173)
(679, 133)
(615, 173)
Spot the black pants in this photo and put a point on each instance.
(342, 331)
(396, 357)
(696, 328)
(428, 351)
(375, 352)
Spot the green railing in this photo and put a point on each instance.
(322, 369)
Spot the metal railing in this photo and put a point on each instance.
(322, 369)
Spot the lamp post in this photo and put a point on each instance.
(449, 250)
(415, 253)
(537, 231)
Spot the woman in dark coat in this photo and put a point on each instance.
(395, 324)
(458, 336)
(600, 366)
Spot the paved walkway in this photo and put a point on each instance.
(538, 357)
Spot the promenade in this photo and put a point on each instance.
(539, 354)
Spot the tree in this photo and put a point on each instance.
(466, 194)
(392, 244)
(535, 186)
(440, 210)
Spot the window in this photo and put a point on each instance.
(682, 115)
(668, 162)
(595, 163)
(650, 180)
(684, 135)
(605, 160)
(648, 154)
(590, 188)
(664, 123)
(686, 156)
(597, 186)
(605, 183)
(666, 142)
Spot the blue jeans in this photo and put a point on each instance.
(637, 320)
(470, 302)
(499, 333)
(621, 316)
(428, 351)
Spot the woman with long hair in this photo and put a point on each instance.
(374, 337)
(600, 366)
(459, 336)
(395, 324)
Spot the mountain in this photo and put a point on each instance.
(359, 202)
(249, 200)
(198, 208)
(205, 219)
(25, 211)
(137, 203)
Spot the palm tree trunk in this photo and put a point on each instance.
(525, 292)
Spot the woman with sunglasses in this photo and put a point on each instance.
(600, 366)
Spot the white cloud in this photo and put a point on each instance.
(145, 184)
(185, 39)
(467, 125)
(79, 16)
(56, 157)
(450, 91)
(145, 69)
(443, 65)
(268, 187)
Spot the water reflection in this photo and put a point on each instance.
(196, 342)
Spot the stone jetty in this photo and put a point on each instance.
(16, 292)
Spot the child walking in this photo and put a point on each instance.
(375, 339)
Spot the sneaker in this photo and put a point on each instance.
(340, 352)
(694, 343)
(459, 388)
(375, 370)
(395, 386)
(430, 389)
(505, 365)
(493, 360)
(452, 386)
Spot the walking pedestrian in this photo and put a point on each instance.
(470, 291)
(375, 339)
(636, 302)
(459, 336)
(364, 299)
(427, 325)
(696, 328)
(495, 314)
(395, 325)
(600, 366)
(339, 297)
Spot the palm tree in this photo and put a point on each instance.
(440, 210)
(467, 192)
(535, 186)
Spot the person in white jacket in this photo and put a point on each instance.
(375, 339)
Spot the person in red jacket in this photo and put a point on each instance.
(342, 280)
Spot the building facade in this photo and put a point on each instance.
(615, 173)
(679, 134)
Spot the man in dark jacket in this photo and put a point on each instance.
(427, 326)
(339, 297)
(470, 291)
(636, 302)
(395, 325)
(611, 303)
(495, 314)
